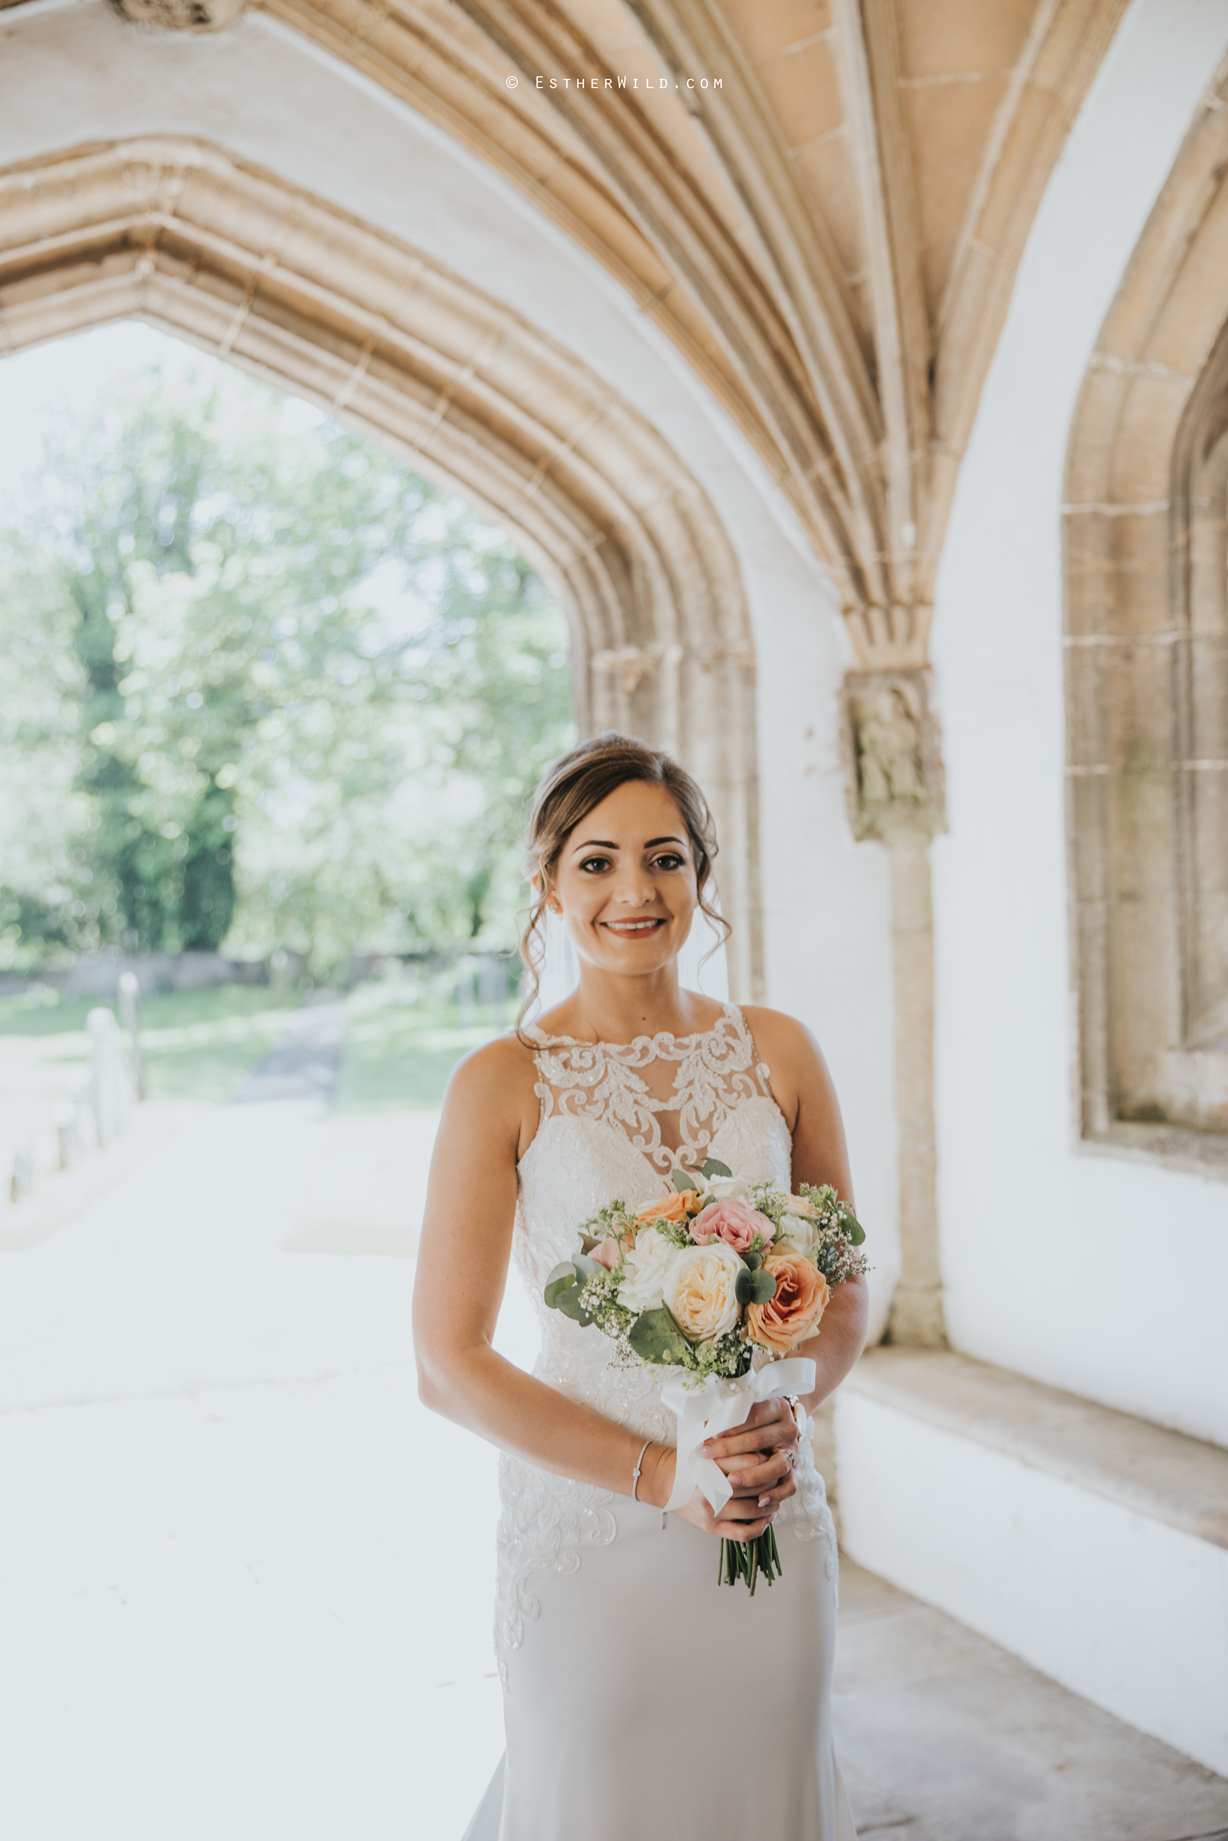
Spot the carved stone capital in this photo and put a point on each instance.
(180, 15)
(630, 664)
(892, 755)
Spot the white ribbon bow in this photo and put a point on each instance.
(720, 1406)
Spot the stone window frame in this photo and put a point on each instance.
(1145, 526)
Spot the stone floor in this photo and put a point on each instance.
(245, 1583)
(944, 1737)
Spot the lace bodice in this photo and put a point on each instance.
(600, 1138)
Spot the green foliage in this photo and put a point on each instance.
(655, 1337)
(753, 1285)
(262, 686)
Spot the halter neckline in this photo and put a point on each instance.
(660, 1035)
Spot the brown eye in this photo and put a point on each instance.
(669, 861)
(595, 864)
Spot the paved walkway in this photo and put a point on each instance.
(234, 1606)
(306, 1062)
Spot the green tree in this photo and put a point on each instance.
(306, 692)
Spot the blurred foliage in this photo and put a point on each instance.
(261, 686)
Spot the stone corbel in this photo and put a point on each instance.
(180, 15)
(894, 781)
(631, 664)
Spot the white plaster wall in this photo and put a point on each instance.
(72, 74)
(1124, 1609)
(1097, 1274)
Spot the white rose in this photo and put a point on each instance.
(645, 1269)
(700, 1290)
(803, 1235)
(725, 1188)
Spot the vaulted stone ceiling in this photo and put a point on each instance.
(821, 203)
(830, 236)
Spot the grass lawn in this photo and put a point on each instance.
(400, 1049)
(198, 1044)
(398, 1054)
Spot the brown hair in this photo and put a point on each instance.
(569, 790)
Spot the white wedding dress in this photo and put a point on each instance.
(642, 1701)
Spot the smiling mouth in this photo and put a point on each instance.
(635, 929)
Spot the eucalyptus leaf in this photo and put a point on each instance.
(655, 1337)
(588, 1242)
(571, 1306)
(753, 1260)
(683, 1180)
(853, 1228)
(562, 1279)
(586, 1268)
(712, 1166)
(754, 1287)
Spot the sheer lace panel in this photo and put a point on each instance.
(689, 1084)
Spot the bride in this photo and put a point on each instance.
(642, 1702)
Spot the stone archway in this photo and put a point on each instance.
(177, 233)
(1147, 676)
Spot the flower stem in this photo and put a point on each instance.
(750, 1560)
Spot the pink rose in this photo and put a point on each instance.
(612, 1249)
(735, 1222)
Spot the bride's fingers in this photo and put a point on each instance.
(783, 1437)
(766, 1439)
(743, 1530)
(750, 1479)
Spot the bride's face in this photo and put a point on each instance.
(626, 881)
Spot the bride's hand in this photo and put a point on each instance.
(759, 1458)
(769, 1431)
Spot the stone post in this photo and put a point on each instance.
(130, 1017)
(108, 1077)
(895, 785)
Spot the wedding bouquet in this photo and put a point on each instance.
(720, 1278)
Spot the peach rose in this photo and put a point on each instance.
(676, 1206)
(789, 1317)
(735, 1222)
(701, 1291)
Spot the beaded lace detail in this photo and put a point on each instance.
(599, 1138)
(604, 1080)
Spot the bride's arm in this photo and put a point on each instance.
(804, 1092)
(462, 1269)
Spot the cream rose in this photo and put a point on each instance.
(800, 1233)
(700, 1291)
(646, 1269)
(728, 1189)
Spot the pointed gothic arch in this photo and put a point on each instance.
(179, 234)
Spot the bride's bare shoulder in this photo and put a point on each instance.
(777, 1033)
(505, 1065)
(495, 1085)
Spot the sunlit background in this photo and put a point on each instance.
(270, 709)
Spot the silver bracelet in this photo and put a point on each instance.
(635, 1474)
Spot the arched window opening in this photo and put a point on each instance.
(268, 690)
(1146, 566)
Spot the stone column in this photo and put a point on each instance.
(896, 796)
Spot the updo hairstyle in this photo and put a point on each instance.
(569, 790)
